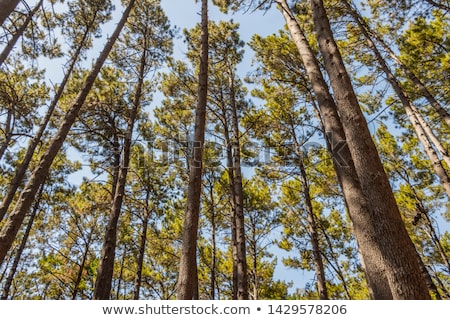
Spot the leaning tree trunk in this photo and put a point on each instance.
(407, 71)
(187, 277)
(8, 7)
(19, 33)
(15, 219)
(34, 142)
(402, 269)
(23, 242)
(422, 129)
(360, 212)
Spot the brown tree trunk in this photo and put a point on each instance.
(141, 254)
(312, 224)
(7, 7)
(420, 126)
(187, 277)
(105, 269)
(34, 142)
(19, 33)
(402, 269)
(242, 278)
(15, 219)
(360, 212)
(23, 242)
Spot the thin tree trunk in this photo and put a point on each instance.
(242, 290)
(426, 275)
(76, 286)
(105, 269)
(13, 269)
(141, 255)
(34, 142)
(212, 294)
(187, 277)
(7, 7)
(416, 119)
(336, 265)
(15, 219)
(19, 33)
(438, 5)
(409, 73)
(402, 269)
(312, 225)
(360, 212)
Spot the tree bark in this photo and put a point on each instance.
(420, 126)
(402, 269)
(7, 7)
(15, 219)
(187, 277)
(19, 33)
(360, 212)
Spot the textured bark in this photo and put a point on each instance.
(402, 269)
(187, 286)
(360, 212)
(19, 32)
(15, 219)
(34, 142)
(422, 129)
(7, 7)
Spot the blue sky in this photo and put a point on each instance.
(185, 14)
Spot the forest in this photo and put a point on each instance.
(129, 172)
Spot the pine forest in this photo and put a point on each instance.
(195, 149)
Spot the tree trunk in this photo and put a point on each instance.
(8, 7)
(426, 275)
(141, 255)
(76, 286)
(312, 225)
(360, 212)
(105, 269)
(418, 123)
(19, 33)
(15, 219)
(34, 142)
(409, 73)
(402, 269)
(187, 277)
(13, 269)
(242, 278)
(9, 127)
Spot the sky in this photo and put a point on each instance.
(185, 14)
